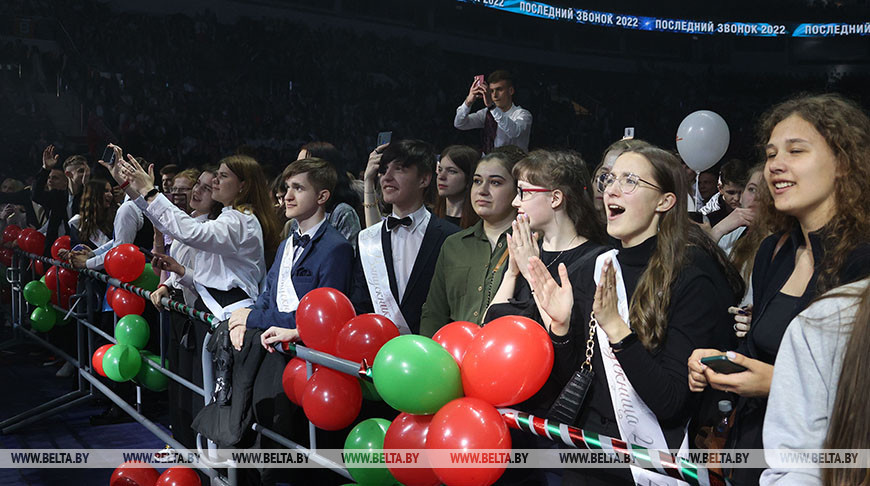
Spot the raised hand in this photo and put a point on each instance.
(142, 182)
(523, 244)
(49, 158)
(554, 300)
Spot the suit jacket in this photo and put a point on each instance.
(417, 289)
(55, 204)
(326, 261)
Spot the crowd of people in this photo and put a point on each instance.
(773, 281)
(640, 270)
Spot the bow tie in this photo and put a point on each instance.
(393, 222)
(300, 240)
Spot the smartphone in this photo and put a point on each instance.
(384, 137)
(721, 364)
(108, 156)
(628, 133)
(478, 80)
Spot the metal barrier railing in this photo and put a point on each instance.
(87, 381)
(669, 464)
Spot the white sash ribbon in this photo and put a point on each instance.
(371, 254)
(222, 313)
(287, 299)
(637, 423)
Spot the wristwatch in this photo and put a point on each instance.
(153, 192)
(625, 342)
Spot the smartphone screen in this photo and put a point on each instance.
(108, 156)
(721, 364)
(478, 80)
(384, 137)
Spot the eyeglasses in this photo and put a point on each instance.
(627, 183)
(529, 190)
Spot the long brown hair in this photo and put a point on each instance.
(846, 129)
(465, 158)
(565, 171)
(849, 427)
(255, 197)
(648, 310)
(744, 249)
(95, 216)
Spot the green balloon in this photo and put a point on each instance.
(368, 435)
(369, 392)
(132, 329)
(42, 279)
(149, 376)
(37, 293)
(415, 374)
(42, 319)
(121, 362)
(148, 280)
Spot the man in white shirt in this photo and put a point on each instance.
(397, 256)
(503, 122)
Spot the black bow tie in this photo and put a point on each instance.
(393, 222)
(300, 240)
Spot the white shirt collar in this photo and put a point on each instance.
(312, 230)
(417, 217)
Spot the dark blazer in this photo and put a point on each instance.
(326, 261)
(55, 204)
(417, 289)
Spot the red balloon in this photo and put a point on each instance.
(97, 359)
(6, 256)
(294, 379)
(10, 233)
(319, 317)
(362, 337)
(134, 474)
(179, 476)
(464, 424)
(62, 243)
(39, 267)
(68, 278)
(332, 399)
(455, 337)
(51, 279)
(409, 432)
(125, 262)
(62, 299)
(508, 362)
(31, 241)
(125, 303)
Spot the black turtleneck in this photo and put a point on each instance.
(697, 318)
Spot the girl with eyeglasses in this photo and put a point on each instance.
(665, 289)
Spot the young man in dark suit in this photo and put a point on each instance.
(315, 255)
(397, 256)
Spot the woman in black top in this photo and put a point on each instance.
(817, 175)
(553, 200)
(677, 289)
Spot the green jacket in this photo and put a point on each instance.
(467, 275)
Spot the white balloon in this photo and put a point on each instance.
(702, 139)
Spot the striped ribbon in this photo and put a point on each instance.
(169, 304)
(661, 462)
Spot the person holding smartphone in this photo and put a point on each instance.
(503, 122)
(816, 172)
